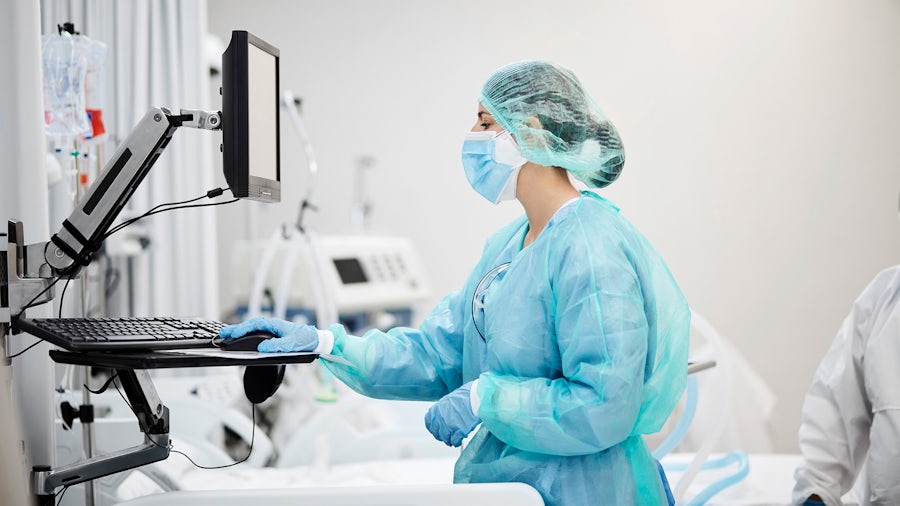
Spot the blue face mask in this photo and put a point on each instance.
(492, 161)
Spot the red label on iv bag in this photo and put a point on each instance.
(96, 118)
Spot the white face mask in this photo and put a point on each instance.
(492, 162)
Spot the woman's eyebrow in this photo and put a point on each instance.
(484, 113)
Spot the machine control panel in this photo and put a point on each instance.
(362, 272)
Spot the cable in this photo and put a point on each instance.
(39, 341)
(29, 305)
(60, 495)
(195, 205)
(104, 387)
(129, 222)
(63, 296)
(170, 206)
(155, 210)
(210, 194)
(31, 302)
(249, 451)
(112, 276)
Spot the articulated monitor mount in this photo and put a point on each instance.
(153, 418)
(27, 273)
(28, 270)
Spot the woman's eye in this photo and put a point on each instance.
(485, 125)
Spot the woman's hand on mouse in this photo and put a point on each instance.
(289, 336)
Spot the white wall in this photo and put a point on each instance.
(762, 138)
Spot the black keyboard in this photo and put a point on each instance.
(123, 334)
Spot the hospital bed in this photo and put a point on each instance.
(331, 473)
(414, 480)
(355, 447)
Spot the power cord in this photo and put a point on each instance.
(63, 296)
(173, 205)
(39, 341)
(104, 387)
(155, 210)
(249, 451)
(30, 304)
(42, 292)
(60, 495)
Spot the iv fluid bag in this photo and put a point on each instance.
(64, 68)
(95, 85)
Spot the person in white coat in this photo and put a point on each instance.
(850, 428)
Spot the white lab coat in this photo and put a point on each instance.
(851, 414)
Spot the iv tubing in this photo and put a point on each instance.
(724, 363)
(725, 482)
(684, 423)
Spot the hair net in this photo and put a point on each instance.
(555, 121)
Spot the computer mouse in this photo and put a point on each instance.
(247, 342)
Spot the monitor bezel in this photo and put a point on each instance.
(236, 118)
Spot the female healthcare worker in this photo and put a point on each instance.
(569, 339)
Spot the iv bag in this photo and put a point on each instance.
(64, 69)
(95, 84)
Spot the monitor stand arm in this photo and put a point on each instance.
(70, 249)
(27, 271)
(153, 418)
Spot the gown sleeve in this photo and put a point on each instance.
(423, 363)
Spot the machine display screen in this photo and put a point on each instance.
(350, 270)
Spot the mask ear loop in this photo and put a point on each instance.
(486, 135)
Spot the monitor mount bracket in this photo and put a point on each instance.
(153, 418)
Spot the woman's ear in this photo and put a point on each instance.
(533, 122)
(531, 132)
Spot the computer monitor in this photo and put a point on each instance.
(250, 118)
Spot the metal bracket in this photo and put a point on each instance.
(204, 120)
(154, 449)
(27, 276)
(153, 418)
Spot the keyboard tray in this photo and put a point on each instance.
(122, 334)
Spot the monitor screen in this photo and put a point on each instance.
(250, 118)
(350, 270)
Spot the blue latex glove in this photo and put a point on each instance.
(670, 499)
(451, 419)
(291, 336)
